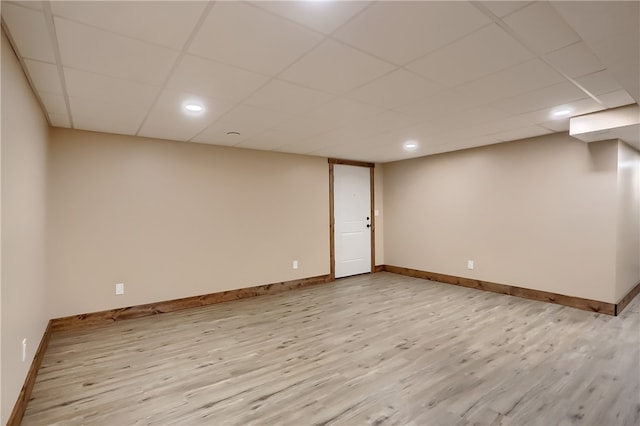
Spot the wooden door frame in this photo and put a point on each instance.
(332, 242)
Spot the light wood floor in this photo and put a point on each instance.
(373, 349)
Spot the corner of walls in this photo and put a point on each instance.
(378, 178)
(627, 220)
(23, 169)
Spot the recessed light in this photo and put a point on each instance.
(193, 107)
(410, 145)
(561, 112)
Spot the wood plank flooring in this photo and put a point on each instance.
(374, 349)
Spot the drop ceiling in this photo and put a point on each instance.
(346, 79)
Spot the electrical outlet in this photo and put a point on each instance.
(24, 349)
(295, 264)
(119, 289)
(470, 264)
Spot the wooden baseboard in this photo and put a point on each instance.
(526, 293)
(628, 298)
(25, 393)
(378, 268)
(112, 315)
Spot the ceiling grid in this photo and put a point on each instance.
(350, 79)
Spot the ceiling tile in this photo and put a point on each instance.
(599, 82)
(487, 50)
(439, 104)
(383, 122)
(297, 148)
(456, 144)
(504, 7)
(82, 84)
(309, 145)
(118, 56)
(545, 115)
(245, 36)
(556, 125)
(540, 26)
(494, 127)
(360, 134)
(219, 81)
(108, 117)
(268, 140)
(622, 59)
(281, 96)
(302, 128)
(519, 79)
(168, 23)
(472, 117)
(555, 95)
(59, 120)
(336, 142)
(44, 76)
(344, 152)
(397, 88)
(403, 31)
(54, 104)
(168, 120)
(274, 138)
(323, 16)
(385, 152)
(395, 138)
(616, 99)
(247, 120)
(29, 32)
(522, 133)
(575, 60)
(341, 112)
(335, 68)
(599, 20)
(460, 144)
(339, 142)
(359, 150)
(423, 132)
(612, 32)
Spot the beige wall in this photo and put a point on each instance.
(378, 179)
(537, 213)
(628, 248)
(23, 169)
(173, 219)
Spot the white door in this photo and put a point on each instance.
(352, 210)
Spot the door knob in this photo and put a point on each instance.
(367, 217)
(368, 225)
